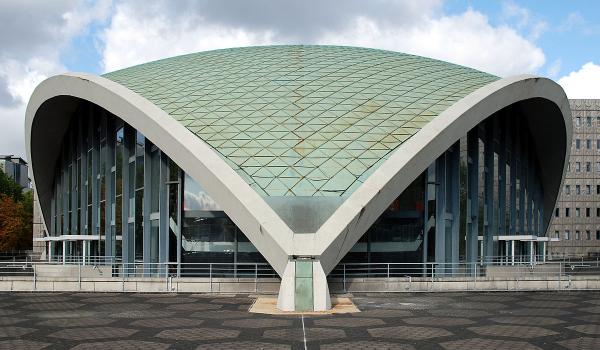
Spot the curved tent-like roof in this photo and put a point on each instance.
(302, 120)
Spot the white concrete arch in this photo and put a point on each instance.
(46, 120)
(543, 103)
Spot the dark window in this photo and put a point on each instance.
(557, 212)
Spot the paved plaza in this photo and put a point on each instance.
(560, 320)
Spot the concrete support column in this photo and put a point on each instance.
(488, 207)
(304, 287)
(453, 181)
(440, 213)
(472, 196)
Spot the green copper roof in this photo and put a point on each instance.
(302, 120)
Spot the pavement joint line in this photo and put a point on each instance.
(304, 332)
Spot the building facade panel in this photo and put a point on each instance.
(576, 220)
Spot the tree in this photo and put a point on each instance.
(15, 225)
(9, 187)
(16, 215)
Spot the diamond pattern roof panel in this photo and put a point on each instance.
(302, 120)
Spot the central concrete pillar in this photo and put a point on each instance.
(304, 286)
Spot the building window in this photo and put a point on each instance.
(597, 189)
(588, 167)
(577, 167)
(598, 212)
(598, 232)
(588, 235)
(588, 212)
(578, 121)
(569, 166)
(588, 189)
(588, 121)
(556, 234)
(598, 167)
(568, 189)
(567, 235)
(577, 212)
(557, 212)
(577, 144)
(588, 144)
(577, 189)
(577, 235)
(567, 212)
(598, 144)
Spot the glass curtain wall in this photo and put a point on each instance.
(464, 208)
(129, 202)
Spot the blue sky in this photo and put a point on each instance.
(557, 39)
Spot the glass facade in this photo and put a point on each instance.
(464, 207)
(121, 199)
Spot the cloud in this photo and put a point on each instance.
(34, 33)
(140, 32)
(584, 83)
(466, 39)
(554, 68)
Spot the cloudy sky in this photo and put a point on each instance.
(557, 39)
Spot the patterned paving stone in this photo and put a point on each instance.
(142, 314)
(438, 321)
(524, 320)
(194, 307)
(487, 344)
(595, 309)
(108, 299)
(526, 332)
(64, 314)
(172, 300)
(409, 333)
(536, 312)
(232, 301)
(586, 328)
(367, 345)
(122, 345)
(478, 305)
(349, 322)
(459, 313)
(258, 323)
(547, 304)
(220, 314)
(583, 343)
(8, 312)
(166, 322)
(243, 345)
(52, 306)
(86, 333)
(549, 296)
(589, 318)
(312, 333)
(198, 334)
(5, 321)
(14, 332)
(383, 313)
(45, 299)
(76, 322)
(122, 307)
(22, 344)
(496, 298)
